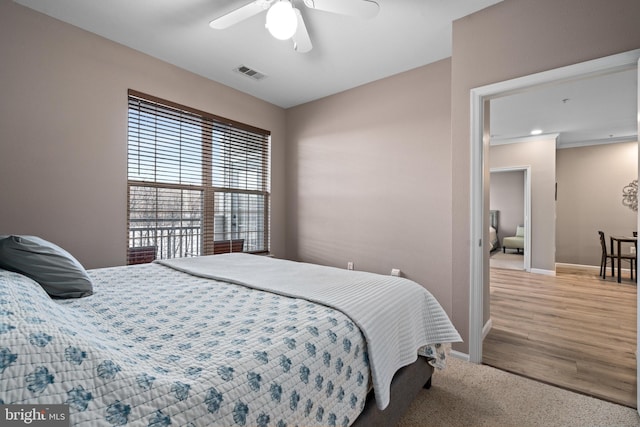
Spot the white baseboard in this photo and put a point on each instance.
(459, 355)
(464, 356)
(541, 271)
(560, 265)
(585, 268)
(487, 328)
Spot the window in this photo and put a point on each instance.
(197, 184)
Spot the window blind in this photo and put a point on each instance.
(196, 181)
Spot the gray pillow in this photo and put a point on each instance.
(56, 270)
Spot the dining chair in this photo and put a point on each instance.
(606, 257)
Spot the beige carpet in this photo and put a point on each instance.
(509, 260)
(466, 394)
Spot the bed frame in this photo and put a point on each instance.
(406, 385)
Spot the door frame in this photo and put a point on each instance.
(479, 203)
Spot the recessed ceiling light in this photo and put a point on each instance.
(536, 132)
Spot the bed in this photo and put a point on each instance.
(224, 340)
(494, 219)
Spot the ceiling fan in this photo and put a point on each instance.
(284, 21)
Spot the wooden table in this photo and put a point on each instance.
(620, 240)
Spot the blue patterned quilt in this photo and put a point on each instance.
(157, 347)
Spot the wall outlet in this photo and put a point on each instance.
(396, 272)
(350, 265)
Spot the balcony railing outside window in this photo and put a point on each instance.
(170, 240)
(176, 238)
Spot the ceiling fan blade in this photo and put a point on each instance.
(239, 14)
(301, 40)
(361, 8)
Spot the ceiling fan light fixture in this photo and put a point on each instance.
(282, 21)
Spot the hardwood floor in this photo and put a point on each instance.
(573, 330)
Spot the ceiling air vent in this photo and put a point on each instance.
(249, 72)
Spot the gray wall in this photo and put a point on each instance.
(590, 183)
(63, 132)
(540, 155)
(507, 196)
(511, 39)
(368, 173)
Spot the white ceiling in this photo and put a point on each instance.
(347, 52)
(588, 111)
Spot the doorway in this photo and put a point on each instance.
(514, 183)
(479, 147)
